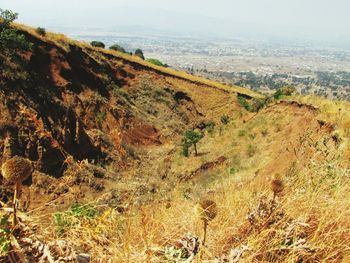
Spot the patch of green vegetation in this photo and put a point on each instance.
(156, 62)
(191, 137)
(116, 47)
(70, 218)
(100, 117)
(210, 126)
(97, 44)
(225, 119)
(284, 91)
(253, 105)
(244, 103)
(235, 164)
(5, 233)
(12, 44)
(252, 136)
(264, 132)
(251, 151)
(10, 37)
(41, 31)
(242, 133)
(122, 93)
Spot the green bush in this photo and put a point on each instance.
(116, 47)
(210, 126)
(156, 62)
(41, 31)
(225, 119)
(242, 133)
(97, 44)
(10, 38)
(244, 103)
(284, 91)
(139, 53)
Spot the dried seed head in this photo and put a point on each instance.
(16, 169)
(277, 186)
(207, 210)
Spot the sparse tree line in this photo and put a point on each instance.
(138, 52)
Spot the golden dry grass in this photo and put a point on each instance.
(309, 223)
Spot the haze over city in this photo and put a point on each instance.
(314, 20)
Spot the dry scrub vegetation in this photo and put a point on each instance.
(301, 217)
(265, 186)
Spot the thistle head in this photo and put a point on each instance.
(277, 186)
(207, 210)
(16, 169)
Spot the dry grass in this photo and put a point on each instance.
(308, 221)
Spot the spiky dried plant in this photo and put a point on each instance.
(277, 187)
(207, 212)
(15, 171)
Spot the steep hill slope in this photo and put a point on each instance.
(104, 131)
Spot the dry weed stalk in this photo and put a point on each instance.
(207, 212)
(16, 170)
(277, 187)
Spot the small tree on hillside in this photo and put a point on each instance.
(10, 38)
(191, 137)
(41, 31)
(116, 47)
(97, 44)
(139, 53)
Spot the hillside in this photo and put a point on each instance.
(104, 132)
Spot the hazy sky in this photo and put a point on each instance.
(316, 18)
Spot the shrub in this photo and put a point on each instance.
(244, 103)
(264, 132)
(10, 38)
(116, 47)
(284, 91)
(122, 93)
(225, 119)
(190, 138)
(258, 104)
(251, 151)
(139, 53)
(157, 62)
(242, 133)
(209, 126)
(97, 44)
(41, 31)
